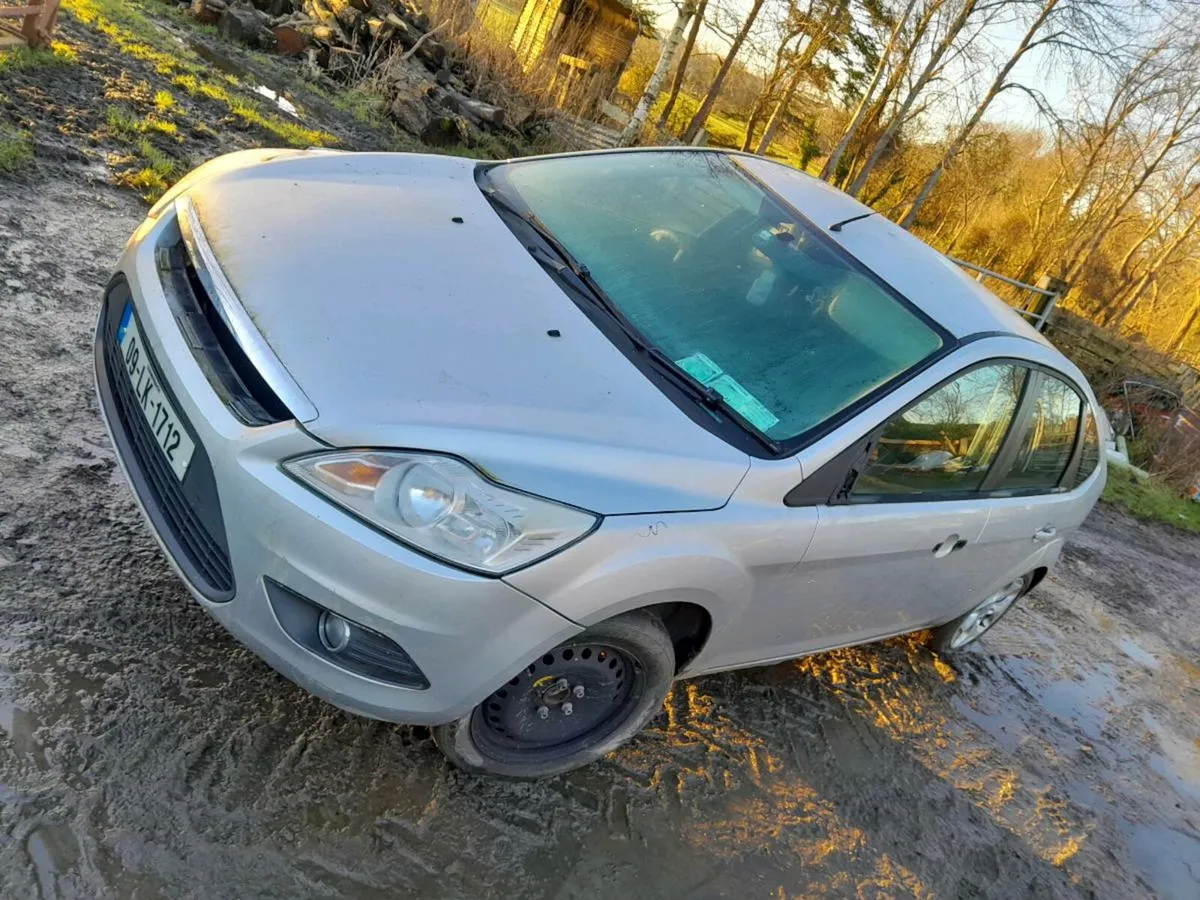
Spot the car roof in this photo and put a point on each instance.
(931, 281)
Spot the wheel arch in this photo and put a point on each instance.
(690, 616)
(689, 626)
(1036, 577)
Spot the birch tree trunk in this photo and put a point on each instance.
(681, 69)
(654, 86)
(714, 90)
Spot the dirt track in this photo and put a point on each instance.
(144, 753)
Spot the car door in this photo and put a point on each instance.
(1040, 488)
(897, 540)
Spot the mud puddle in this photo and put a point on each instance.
(226, 60)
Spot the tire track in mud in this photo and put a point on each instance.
(144, 753)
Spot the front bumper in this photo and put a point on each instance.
(466, 633)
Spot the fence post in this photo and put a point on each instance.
(1057, 288)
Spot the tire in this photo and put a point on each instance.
(575, 705)
(967, 628)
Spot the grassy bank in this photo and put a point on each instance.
(1151, 501)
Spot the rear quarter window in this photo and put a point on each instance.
(1089, 454)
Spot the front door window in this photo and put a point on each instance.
(946, 442)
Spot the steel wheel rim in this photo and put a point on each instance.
(572, 698)
(984, 616)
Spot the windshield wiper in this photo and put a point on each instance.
(567, 264)
(569, 268)
(703, 394)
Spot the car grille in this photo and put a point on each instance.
(186, 514)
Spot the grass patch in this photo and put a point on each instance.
(162, 126)
(135, 34)
(723, 131)
(16, 152)
(20, 59)
(1151, 500)
(124, 125)
(150, 172)
(121, 123)
(363, 104)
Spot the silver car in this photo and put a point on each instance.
(505, 448)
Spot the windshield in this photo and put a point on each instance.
(722, 277)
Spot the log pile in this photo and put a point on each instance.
(430, 92)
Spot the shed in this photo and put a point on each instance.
(585, 44)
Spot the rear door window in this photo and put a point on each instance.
(944, 444)
(1047, 439)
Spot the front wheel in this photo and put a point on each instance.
(968, 628)
(574, 705)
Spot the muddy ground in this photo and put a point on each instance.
(144, 753)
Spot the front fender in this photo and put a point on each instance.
(636, 561)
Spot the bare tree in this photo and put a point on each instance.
(1080, 26)
(1185, 328)
(824, 21)
(868, 97)
(714, 90)
(944, 50)
(785, 31)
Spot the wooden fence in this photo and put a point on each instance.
(1107, 358)
(36, 23)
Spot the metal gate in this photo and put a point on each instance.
(1033, 301)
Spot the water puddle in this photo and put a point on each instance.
(1179, 761)
(1084, 702)
(231, 66)
(54, 851)
(1138, 653)
(1168, 860)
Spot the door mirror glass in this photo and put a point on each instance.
(1044, 447)
(946, 442)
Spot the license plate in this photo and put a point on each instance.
(165, 424)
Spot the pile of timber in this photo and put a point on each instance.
(429, 91)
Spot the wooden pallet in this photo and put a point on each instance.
(31, 25)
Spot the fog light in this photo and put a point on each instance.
(341, 641)
(334, 632)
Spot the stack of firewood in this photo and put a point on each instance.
(389, 41)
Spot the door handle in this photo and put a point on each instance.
(948, 546)
(1048, 533)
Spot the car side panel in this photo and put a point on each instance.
(751, 563)
(729, 561)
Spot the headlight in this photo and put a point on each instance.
(443, 507)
